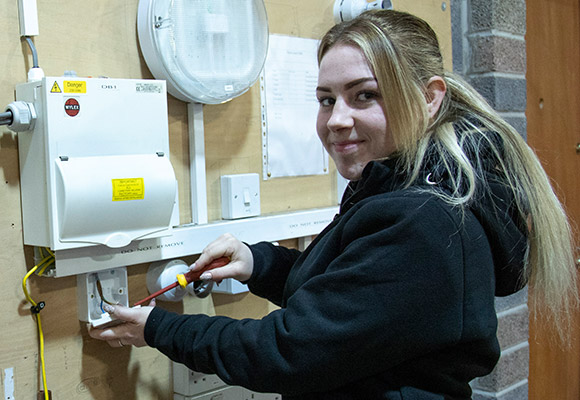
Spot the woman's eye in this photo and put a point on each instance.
(326, 101)
(366, 96)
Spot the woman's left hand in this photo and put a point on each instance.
(131, 330)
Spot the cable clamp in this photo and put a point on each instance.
(37, 308)
(23, 116)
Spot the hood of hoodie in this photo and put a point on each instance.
(495, 210)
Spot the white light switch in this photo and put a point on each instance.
(240, 196)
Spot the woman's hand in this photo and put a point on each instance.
(131, 330)
(241, 263)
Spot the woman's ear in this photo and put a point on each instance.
(436, 89)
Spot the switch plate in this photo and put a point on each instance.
(240, 196)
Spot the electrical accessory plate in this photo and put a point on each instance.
(240, 196)
(99, 288)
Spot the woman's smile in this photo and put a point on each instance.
(348, 146)
(351, 119)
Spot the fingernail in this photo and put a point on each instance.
(108, 308)
(206, 276)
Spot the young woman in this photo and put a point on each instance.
(447, 207)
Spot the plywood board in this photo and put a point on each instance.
(99, 38)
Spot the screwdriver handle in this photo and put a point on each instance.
(184, 279)
(192, 276)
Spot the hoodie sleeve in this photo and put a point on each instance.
(272, 265)
(395, 292)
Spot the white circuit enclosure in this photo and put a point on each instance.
(95, 169)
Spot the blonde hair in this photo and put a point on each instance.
(403, 51)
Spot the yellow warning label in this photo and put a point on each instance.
(55, 88)
(75, 86)
(128, 189)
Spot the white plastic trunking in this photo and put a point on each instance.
(191, 239)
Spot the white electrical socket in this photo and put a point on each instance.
(240, 196)
(249, 395)
(191, 385)
(226, 393)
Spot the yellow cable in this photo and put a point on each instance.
(38, 323)
(25, 289)
(49, 262)
(50, 257)
(41, 342)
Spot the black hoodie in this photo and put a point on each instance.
(393, 300)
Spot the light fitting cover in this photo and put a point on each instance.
(208, 51)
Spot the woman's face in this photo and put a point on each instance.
(351, 120)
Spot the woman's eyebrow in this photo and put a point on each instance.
(356, 82)
(348, 85)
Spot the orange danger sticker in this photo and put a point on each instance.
(128, 189)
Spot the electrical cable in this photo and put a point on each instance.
(48, 264)
(33, 51)
(36, 307)
(47, 261)
(6, 118)
(100, 290)
(50, 252)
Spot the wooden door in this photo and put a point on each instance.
(553, 117)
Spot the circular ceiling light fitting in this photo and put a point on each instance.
(208, 51)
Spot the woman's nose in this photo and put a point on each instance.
(341, 116)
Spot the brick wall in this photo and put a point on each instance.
(489, 51)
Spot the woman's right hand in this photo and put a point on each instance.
(241, 263)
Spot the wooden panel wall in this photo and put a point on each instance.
(98, 38)
(553, 80)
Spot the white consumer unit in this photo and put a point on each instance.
(95, 165)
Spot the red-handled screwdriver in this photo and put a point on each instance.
(184, 279)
